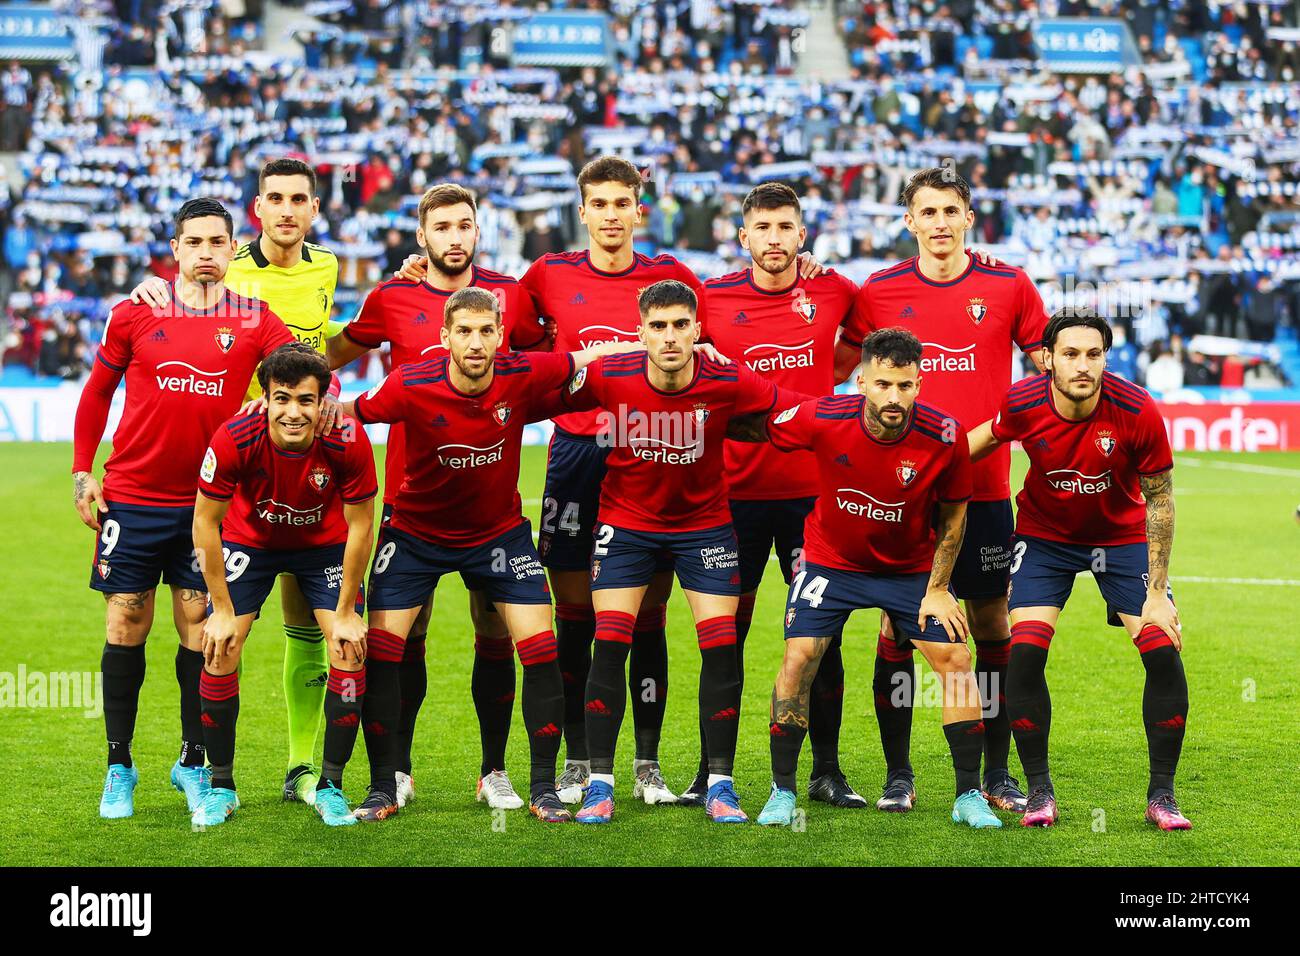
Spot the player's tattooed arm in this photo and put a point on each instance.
(752, 428)
(1158, 608)
(1159, 493)
(790, 695)
(948, 538)
(88, 498)
(939, 602)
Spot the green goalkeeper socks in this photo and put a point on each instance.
(306, 672)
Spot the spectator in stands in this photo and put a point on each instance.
(1265, 307)
(1200, 370)
(1122, 359)
(1165, 373)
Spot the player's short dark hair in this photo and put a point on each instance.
(1072, 317)
(769, 196)
(936, 177)
(290, 364)
(201, 209)
(610, 169)
(472, 298)
(896, 347)
(287, 166)
(665, 294)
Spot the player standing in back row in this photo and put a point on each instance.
(592, 297)
(1097, 450)
(186, 368)
(783, 327)
(968, 315)
(296, 278)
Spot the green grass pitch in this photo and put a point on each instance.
(1236, 781)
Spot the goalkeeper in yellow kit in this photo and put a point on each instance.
(296, 279)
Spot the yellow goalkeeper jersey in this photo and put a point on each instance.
(302, 295)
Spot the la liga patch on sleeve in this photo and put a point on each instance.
(786, 415)
(209, 469)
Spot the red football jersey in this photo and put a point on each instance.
(788, 337)
(665, 469)
(283, 500)
(590, 306)
(877, 498)
(186, 372)
(409, 316)
(461, 486)
(968, 326)
(1082, 486)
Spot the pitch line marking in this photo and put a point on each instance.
(1237, 466)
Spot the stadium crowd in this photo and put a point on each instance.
(1166, 194)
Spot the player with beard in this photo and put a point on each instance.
(406, 313)
(785, 328)
(186, 366)
(458, 509)
(894, 476)
(1098, 497)
(591, 297)
(296, 278)
(970, 316)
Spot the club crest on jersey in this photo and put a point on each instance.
(789, 617)
(906, 472)
(104, 569)
(318, 478)
(595, 570)
(701, 413)
(1105, 442)
(225, 339)
(977, 310)
(501, 413)
(807, 309)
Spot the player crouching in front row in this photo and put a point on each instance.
(1094, 441)
(885, 463)
(274, 498)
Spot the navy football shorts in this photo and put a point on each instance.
(138, 544)
(1043, 573)
(406, 569)
(251, 572)
(821, 600)
(760, 525)
(705, 561)
(983, 566)
(575, 467)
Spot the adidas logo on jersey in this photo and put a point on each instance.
(843, 460)
(740, 319)
(440, 421)
(421, 319)
(578, 300)
(907, 312)
(160, 336)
